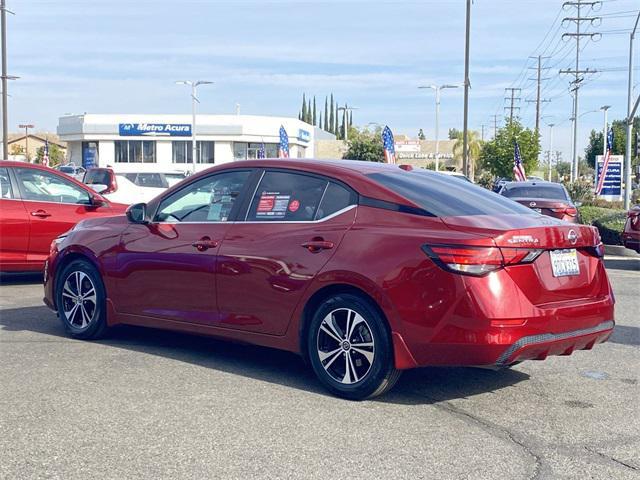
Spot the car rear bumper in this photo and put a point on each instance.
(631, 242)
(539, 347)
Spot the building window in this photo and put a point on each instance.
(249, 151)
(182, 152)
(135, 151)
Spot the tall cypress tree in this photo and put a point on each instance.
(303, 112)
(337, 121)
(320, 120)
(309, 119)
(315, 118)
(332, 127)
(326, 114)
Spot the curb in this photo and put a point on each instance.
(620, 251)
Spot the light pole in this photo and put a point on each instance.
(437, 89)
(465, 128)
(631, 109)
(604, 108)
(345, 119)
(5, 77)
(26, 127)
(194, 99)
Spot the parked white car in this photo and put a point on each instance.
(130, 187)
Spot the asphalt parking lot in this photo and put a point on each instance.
(150, 404)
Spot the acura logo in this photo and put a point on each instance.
(572, 236)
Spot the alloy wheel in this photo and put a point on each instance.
(345, 346)
(79, 300)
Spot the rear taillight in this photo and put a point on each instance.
(478, 261)
(634, 220)
(572, 211)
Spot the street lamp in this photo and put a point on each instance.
(437, 89)
(550, 125)
(26, 127)
(194, 99)
(346, 111)
(604, 108)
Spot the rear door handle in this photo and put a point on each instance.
(40, 214)
(315, 246)
(204, 243)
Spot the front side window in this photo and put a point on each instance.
(283, 196)
(182, 151)
(135, 151)
(210, 199)
(5, 184)
(42, 186)
(443, 196)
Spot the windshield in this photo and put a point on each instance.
(444, 196)
(551, 192)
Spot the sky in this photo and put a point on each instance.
(122, 56)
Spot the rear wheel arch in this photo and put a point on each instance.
(325, 293)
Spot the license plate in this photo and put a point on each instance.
(564, 262)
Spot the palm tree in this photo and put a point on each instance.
(474, 145)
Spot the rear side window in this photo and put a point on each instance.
(551, 192)
(444, 197)
(283, 196)
(335, 198)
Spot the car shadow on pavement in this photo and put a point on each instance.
(631, 264)
(20, 278)
(424, 386)
(625, 335)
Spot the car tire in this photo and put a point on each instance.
(350, 348)
(81, 301)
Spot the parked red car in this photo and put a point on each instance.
(631, 232)
(547, 198)
(365, 269)
(36, 205)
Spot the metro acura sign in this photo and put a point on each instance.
(154, 129)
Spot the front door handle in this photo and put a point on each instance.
(40, 214)
(315, 246)
(204, 243)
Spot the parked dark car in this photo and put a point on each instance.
(547, 198)
(363, 268)
(631, 232)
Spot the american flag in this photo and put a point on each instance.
(261, 151)
(518, 167)
(45, 154)
(605, 164)
(283, 150)
(388, 145)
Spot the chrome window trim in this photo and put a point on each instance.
(275, 222)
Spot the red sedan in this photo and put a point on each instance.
(631, 232)
(36, 205)
(365, 269)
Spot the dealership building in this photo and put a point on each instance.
(163, 142)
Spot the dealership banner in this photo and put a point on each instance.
(154, 129)
(612, 186)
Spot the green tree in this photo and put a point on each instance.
(314, 118)
(496, 156)
(563, 169)
(320, 121)
(55, 155)
(421, 135)
(309, 115)
(453, 133)
(303, 110)
(364, 145)
(331, 119)
(326, 114)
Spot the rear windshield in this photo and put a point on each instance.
(444, 196)
(97, 177)
(552, 192)
(67, 169)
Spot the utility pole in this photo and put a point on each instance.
(551, 125)
(512, 103)
(631, 110)
(465, 129)
(538, 100)
(578, 20)
(495, 125)
(26, 127)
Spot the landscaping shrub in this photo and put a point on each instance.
(608, 221)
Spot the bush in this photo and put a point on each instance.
(608, 221)
(580, 191)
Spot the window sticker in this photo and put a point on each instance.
(272, 205)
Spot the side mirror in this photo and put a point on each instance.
(137, 213)
(97, 201)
